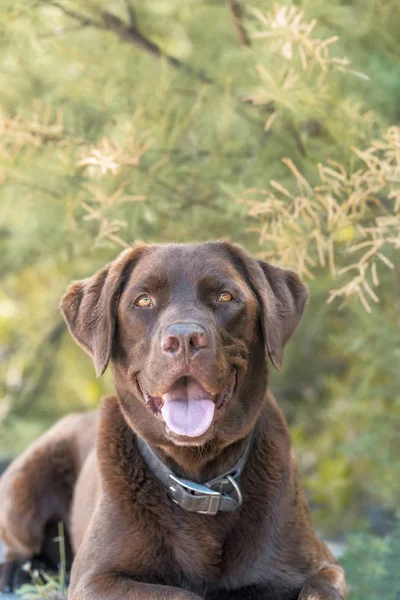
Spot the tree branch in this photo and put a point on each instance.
(84, 20)
(236, 10)
(130, 33)
(131, 13)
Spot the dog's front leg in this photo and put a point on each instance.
(326, 584)
(114, 586)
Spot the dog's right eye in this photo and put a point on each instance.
(225, 296)
(144, 301)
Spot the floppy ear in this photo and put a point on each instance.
(282, 298)
(90, 307)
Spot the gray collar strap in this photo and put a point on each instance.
(219, 494)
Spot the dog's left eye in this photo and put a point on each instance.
(225, 296)
(144, 301)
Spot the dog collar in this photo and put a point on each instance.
(219, 494)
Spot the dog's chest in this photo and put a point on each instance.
(197, 544)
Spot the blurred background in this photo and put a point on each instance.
(276, 125)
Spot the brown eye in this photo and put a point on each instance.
(225, 297)
(144, 301)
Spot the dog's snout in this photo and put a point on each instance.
(184, 339)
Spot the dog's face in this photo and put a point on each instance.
(186, 328)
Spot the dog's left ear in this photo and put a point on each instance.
(282, 298)
(90, 307)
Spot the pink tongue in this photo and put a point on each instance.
(188, 409)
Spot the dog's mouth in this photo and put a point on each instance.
(186, 407)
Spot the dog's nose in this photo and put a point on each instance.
(184, 339)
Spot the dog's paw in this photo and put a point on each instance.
(317, 593)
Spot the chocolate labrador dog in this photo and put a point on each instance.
(184, 486)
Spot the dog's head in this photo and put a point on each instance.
(186, 328)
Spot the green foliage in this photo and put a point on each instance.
(372, 565)
(44, 586)
(178, 120)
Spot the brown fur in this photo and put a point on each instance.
(130, 540)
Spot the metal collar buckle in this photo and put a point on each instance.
(203, 499)
(188, 493)
(231, 480)
(221, 494)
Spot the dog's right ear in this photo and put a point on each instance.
(90, 307)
